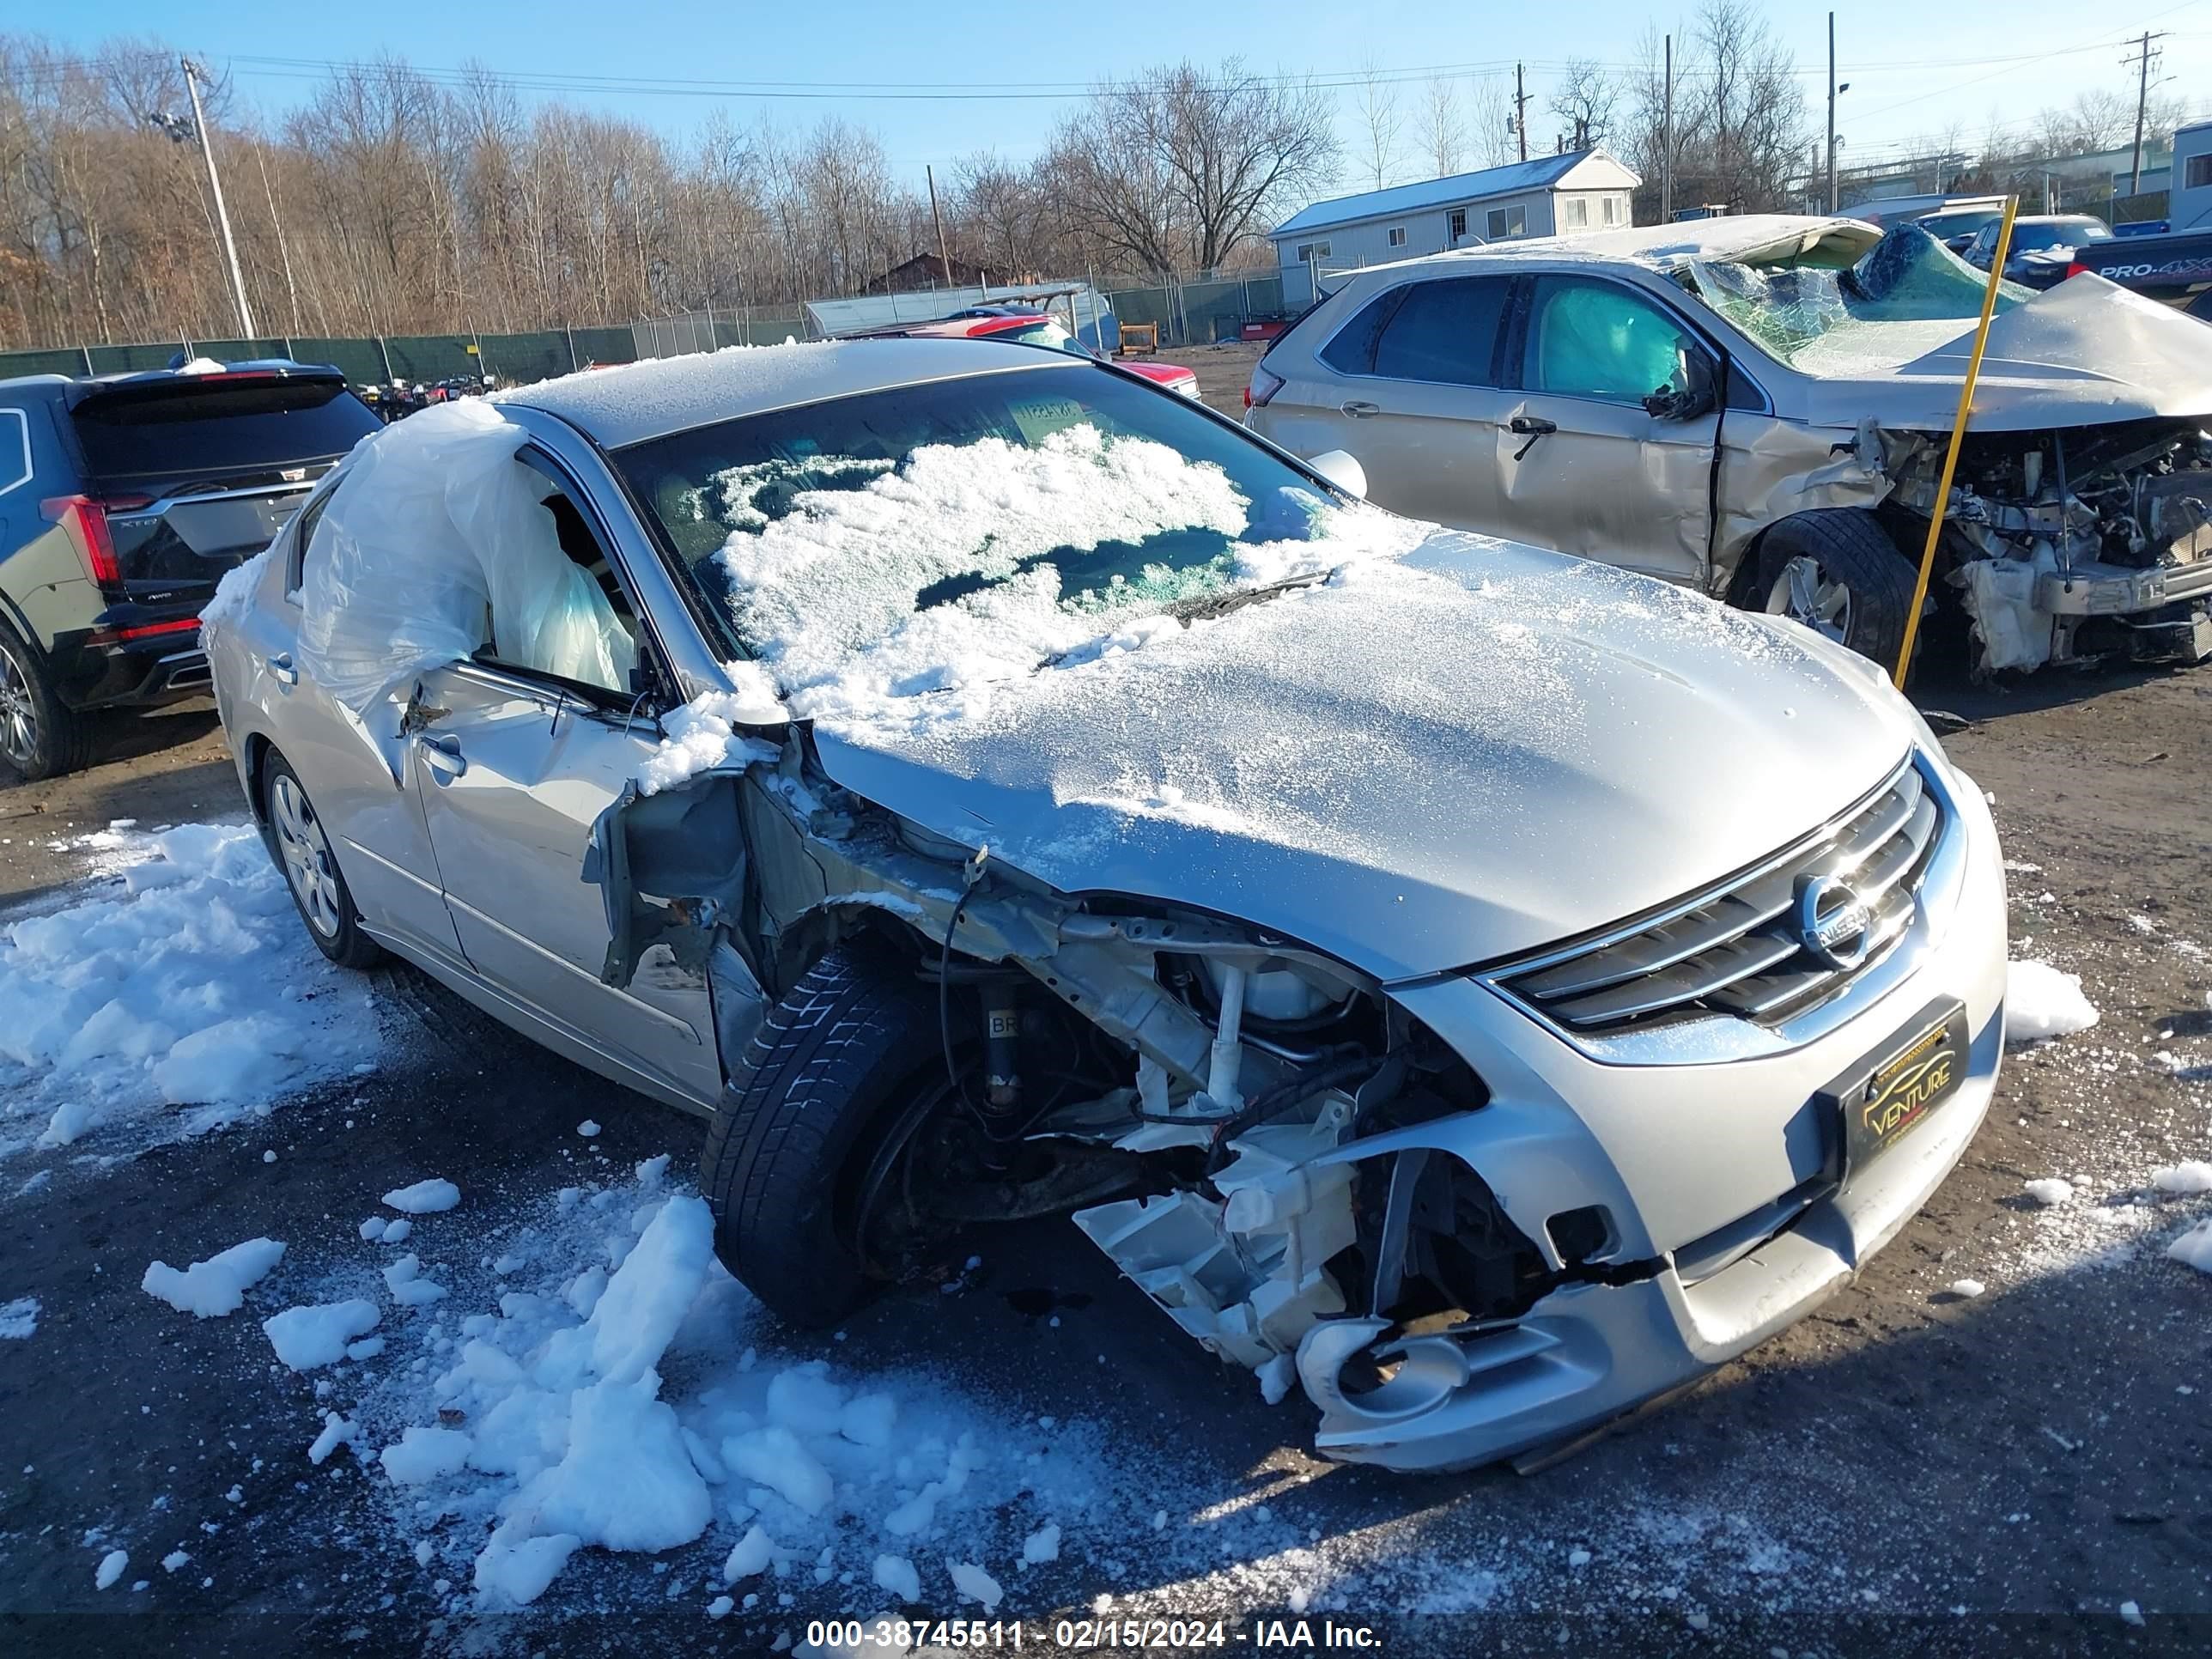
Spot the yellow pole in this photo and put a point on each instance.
(1958, 435)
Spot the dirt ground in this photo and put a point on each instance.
(1909, 1469)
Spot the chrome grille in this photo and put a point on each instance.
(1738, 948)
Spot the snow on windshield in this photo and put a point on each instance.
(971, 564)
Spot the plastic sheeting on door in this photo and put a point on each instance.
(437, 543)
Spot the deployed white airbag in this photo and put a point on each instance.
(436, 543)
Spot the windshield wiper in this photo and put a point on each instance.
(1211, 605)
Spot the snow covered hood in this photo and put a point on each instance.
(2084, 352)
(1432, 760)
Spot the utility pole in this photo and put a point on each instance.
(944, 255)
(1520, 111)
(1831, 111)
(2145, 57)
(222, 213)
(1667, 141)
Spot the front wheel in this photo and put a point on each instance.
(1836, 571)
(842, 1074)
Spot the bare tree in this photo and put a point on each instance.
(1740, 133)
(1584, 97)
(1491, 111)
(1380, 121)
(1443, 128)
(1178, 168)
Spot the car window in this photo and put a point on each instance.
(1589, 339)
(1352, 351)
(565, 635)
(1444, 331)
(295, 562)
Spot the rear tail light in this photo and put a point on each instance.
(84, 519)
(1264, 387)
(2075, 268)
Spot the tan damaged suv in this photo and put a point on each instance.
(1757, 407)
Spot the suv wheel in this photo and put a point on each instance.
(1836, 570)
(40, 735)
(303, 851)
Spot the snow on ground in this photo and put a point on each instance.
(19, 1318)
(429, 1197)
(2043, 1001)
(174, 996)
(216, 1287)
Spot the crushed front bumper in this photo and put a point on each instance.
(1678, 1152)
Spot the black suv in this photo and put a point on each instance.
(122, 500)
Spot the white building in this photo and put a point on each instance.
(1544, 196)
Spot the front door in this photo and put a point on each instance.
(1590, 469)
(513, 772)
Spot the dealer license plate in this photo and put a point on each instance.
(1887, 1096)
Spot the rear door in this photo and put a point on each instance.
(1422, 405)
(1592, 470)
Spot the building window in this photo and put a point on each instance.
(2197, 173)
(1578, 212)
(1397, 236)
(1309, 251)
(1613, 210)
(1508, 222)
(1457, 222)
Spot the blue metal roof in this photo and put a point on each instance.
(1510, 179)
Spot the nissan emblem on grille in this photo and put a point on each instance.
(1833, 922)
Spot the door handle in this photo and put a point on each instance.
(442, 755)
(281, 666)
(1531, 426)
(1359, 408)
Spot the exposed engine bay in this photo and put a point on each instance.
(2067, 545)
(1246, 1127)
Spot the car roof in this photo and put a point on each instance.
(630, 402)
(1731, 236)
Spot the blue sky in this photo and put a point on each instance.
(1915, 68)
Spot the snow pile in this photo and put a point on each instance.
(423, 1198)
(196, 985)
(216, 1287)
(2042, 1001)
(2187, 1177)
(19, 1319)
(1966, 1288)
(111, 1568)
(511, 1439)
(2194, 1248)
(307, 1339)
(701, 734)
(875, 584)
(2050, 1191)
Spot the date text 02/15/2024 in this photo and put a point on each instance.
(1089, 1635)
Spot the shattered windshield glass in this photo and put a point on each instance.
(1812, 315)
(914, 539)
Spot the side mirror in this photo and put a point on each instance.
(1693, 393)
(1342, 468)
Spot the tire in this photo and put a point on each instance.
(40, 736)
(856, 1039)
(311, 871)
(1849, 554)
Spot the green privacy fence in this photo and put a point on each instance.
(363, 359)
(1188, 313)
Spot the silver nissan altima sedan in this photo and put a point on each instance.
(1483, 988)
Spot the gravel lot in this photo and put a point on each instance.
(2029, 1470)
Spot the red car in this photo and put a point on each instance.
(1031, 328)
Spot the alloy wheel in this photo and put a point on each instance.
(307, 856)
(1806, 593)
